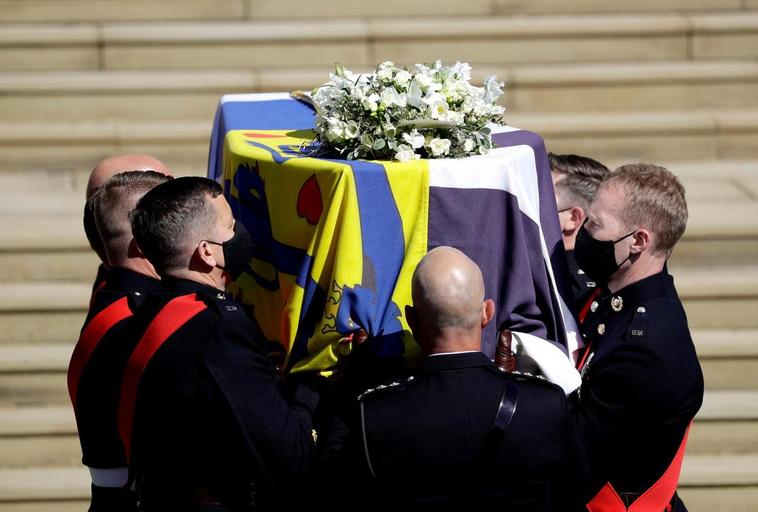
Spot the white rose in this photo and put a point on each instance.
(414, 138)
(423, 80)
(468, 145)
(402, 78)
(389, 97)
(405, 153)
(439, 146)
(384, 73)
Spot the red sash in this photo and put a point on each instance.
(655, 499)
(581, 317)
(91, 335)
(175, 314)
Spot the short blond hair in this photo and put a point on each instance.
(655, 200)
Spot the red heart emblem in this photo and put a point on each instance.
(309, 204)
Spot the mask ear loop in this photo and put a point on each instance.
(629, 257)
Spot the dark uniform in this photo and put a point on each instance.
(95, 371)
(641, 387)
(581, 284)
(460, 433)
(211, 426)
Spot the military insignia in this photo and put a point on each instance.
(221, 296)
(231, 308)
(617, 303)
(601, 329)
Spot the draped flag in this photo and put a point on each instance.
(336, 242)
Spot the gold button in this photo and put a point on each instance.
(601, 329)
(617, 303)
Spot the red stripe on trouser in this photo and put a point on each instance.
(655, 499)
(174, 314)
(91, 336)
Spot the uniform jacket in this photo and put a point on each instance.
(100, 382)
(641, 386)
(211, 420)
(429, 442)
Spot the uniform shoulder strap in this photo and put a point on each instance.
(175, 314)
(89, 339)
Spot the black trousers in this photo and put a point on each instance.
(113, 499)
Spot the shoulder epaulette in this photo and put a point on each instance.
(380, 387)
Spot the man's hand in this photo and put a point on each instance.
(504, 356)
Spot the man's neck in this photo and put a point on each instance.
(642, 268)
(138, 265)
(458, 341)
(198, 277)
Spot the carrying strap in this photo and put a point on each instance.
(90, 338)
(174, 315)
(507, 408)
(655, 499)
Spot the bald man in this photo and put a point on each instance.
(101, 173)
(460, 432)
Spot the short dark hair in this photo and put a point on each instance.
(582, 175)
(172, 217)
(114, 201)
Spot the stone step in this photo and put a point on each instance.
(167, 95)
(134, 10)
(729, 358)
(482, 39)
(607, 136)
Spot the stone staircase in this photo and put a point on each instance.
(669, 81)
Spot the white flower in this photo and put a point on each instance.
(385, 73)
(372, 115)
(405, 153)
(402, 78)
(389, 97)
(439, 147)
(492, 89)
(423, 80)
(438, 110)
(352, 130)
(414, 138)
(371, 103)
(415, 96)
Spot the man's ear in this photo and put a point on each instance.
(575, 219)
(411, 317)
(488, 312)
(204, 256)
(641, 240)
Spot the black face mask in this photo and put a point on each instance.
(597, 258)
(237, 251)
